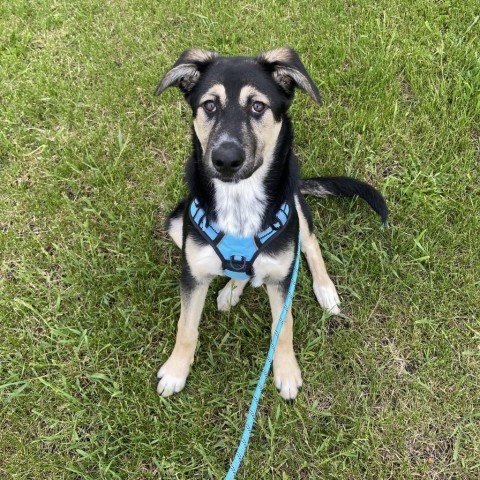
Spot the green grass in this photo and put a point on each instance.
(90, 163)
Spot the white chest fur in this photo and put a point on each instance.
(240, 206)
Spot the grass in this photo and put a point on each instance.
(90, 163)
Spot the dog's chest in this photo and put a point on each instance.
(240, 207)
(204, 263)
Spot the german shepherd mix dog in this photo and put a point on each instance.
(245, 206)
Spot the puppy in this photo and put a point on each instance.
(245, 206)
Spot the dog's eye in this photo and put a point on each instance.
(209, 106)
(258, 107)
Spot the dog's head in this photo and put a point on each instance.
(238, 105)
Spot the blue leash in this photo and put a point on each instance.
(242, 447)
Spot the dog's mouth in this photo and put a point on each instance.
(233, 176)
(227, 179)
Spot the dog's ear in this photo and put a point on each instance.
(288, 71)
(186, 71)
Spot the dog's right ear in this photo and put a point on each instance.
(186, 71)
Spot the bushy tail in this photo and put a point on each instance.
(345, 187)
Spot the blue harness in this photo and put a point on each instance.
(237, 253)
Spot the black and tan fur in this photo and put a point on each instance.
(241, 170)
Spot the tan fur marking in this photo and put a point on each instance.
(251, 92)
(199, 55)
(173, 374)
(268, 132)
(216, 91)
(282, 54)
(286, 372)
(202, 123)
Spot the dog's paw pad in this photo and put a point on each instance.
(288, 379)
(228, 297)
(170, 380)
(327, 298)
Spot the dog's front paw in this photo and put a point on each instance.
(229, 296)
(173, 376)
(327, 298)
(287, 376)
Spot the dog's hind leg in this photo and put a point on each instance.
(230, 294)
(323, 286)
(174, 223)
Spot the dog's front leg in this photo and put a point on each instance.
(173, 374)
(323, 286)
(230, 294)
(286, 372)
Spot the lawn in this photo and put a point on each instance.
(90, 164)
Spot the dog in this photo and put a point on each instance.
(245, 207)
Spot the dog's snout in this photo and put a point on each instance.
(227, 158)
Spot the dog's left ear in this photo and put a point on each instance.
(186, 71)
(288, 71)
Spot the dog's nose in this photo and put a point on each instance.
(227, 158)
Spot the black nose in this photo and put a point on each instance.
(227, 158)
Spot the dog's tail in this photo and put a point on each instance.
(346, 187)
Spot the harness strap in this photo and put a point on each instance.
(280, 221)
